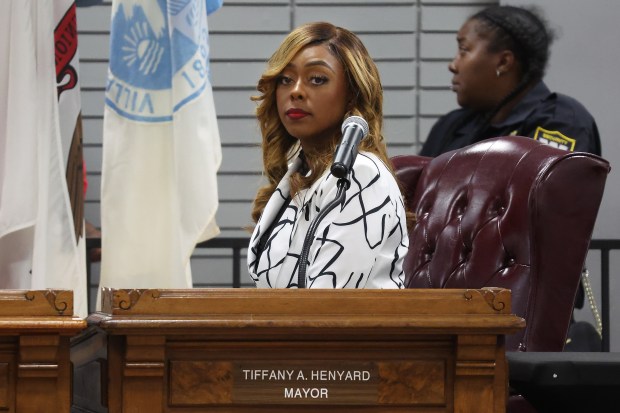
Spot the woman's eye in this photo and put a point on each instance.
(318, 80)
(284, 80)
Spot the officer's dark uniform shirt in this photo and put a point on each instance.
(551, 118)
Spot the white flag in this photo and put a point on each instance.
(161, 146)
(38, 232)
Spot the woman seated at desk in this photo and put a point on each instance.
(319, 76)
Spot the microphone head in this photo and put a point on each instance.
(354, 129)
(359, 121)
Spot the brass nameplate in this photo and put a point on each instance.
(303, 382)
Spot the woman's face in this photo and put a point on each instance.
(312, 96)
(475, 70)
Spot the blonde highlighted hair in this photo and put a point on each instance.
(363, 84)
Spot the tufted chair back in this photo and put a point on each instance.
(505, 212)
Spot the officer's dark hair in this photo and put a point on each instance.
(525, 33)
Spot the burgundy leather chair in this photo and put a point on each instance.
(505, 212)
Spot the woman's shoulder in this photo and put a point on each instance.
(565, 105)
(564, 121)
(444, 122)
(369, 161)
(442, 127)
(455, 114)
(369, 167)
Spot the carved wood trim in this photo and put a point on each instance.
(296, 302)
(124, 299)
(497, 298)
(36, 302)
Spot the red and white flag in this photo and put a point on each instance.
(41, 188)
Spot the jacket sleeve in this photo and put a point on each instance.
(563, 122)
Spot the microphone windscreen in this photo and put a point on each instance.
(358, 120)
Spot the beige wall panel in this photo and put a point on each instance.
(437, 102)
(437, 45)
(399, 130)
(249, 18)
(442, 18)
(435, 74)
(237, 130)
(362, 18)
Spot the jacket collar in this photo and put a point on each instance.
(516, 117)
(523, 109)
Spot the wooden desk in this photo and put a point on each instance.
(247, 350)
(35, 369)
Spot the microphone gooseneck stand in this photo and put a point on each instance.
(354, 129)
(343, 184)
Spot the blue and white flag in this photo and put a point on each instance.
(161, 145)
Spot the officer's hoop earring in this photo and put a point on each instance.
(498, 73)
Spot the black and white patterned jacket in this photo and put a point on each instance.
(360, 245)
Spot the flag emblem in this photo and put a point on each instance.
(148, 62)
(65, 48)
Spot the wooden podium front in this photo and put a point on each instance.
(249, 350)
(35, 369)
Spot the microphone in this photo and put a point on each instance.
(354, 129)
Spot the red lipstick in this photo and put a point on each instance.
(296, 113)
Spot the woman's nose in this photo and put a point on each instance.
(452, 66)
(297, 91)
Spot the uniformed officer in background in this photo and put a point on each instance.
(498, 70)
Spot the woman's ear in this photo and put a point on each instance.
(506, 62)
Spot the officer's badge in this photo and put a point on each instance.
(554, 138)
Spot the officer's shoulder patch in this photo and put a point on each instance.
(554, 138)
